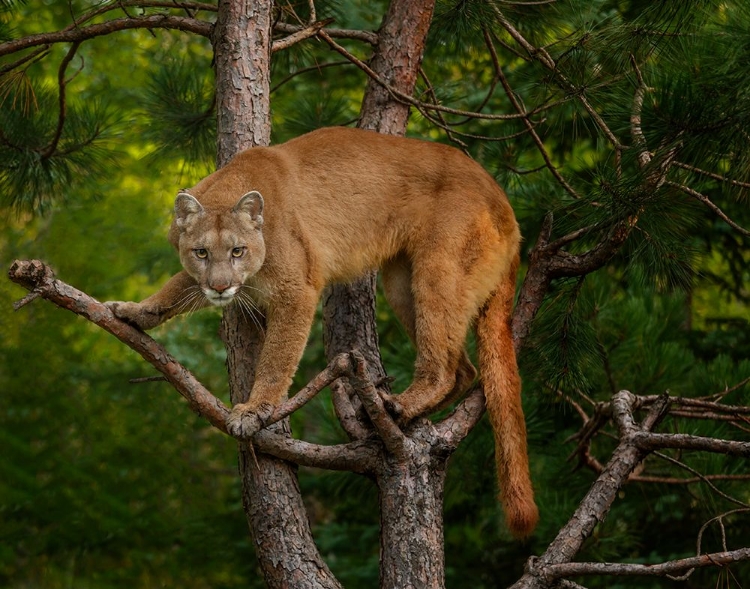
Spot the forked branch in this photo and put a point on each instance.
(556, 563)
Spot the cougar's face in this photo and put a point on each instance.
(221, 250)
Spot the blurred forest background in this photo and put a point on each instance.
(107, 484)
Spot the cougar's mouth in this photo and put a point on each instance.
(220, 299)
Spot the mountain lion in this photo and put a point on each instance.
(277, 224)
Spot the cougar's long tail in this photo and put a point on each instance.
(502, 390)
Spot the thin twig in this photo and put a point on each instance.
(707, 201)
(400, 96)
(712, 175)
(525, 118)
(705, 478)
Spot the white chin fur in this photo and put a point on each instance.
(220, 299)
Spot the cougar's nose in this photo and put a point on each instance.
(220, 288)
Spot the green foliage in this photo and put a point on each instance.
(179, 114)
(35, 164)
(105, 484)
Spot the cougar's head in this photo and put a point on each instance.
(220, 249)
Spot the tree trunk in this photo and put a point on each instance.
(271, 497)
(410, 486)
(411, 515)
(349, 310)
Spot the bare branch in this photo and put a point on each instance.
(62, 107)
(456, 426)
(672, 567)
(389, 432)
(359, 456)
(366, 36)
(652, 441)
(79, 34)
(703, 478)
(36, 276)
(712, 175)
(597, 502)
(305, 33)
(143, 4)
(338, 367)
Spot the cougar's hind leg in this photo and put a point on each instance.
(396, 275)
(440, 325)
(397, 284)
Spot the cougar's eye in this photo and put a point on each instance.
(201, 253)
(238, 252)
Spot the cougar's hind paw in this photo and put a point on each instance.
(396, 409)
(244, 421)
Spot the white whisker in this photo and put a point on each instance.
(190, 301)
(249, 308)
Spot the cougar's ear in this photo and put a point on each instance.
(251, 204)
(185, 205)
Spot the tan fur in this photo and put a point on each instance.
(337, 202)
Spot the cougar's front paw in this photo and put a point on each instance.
(134, 313)
(245, 420)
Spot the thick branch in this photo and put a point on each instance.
(651, 441)
(389, 432)
(672, 567)
(37, 277)
(455, 427)
(359, 456)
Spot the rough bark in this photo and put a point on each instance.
(411, 514)
(242, 52)
(271, 497)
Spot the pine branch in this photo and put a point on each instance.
(709, 203)
(541, 55)
(80, 34)
(712, 175)
(525, 117)
(405, 98)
